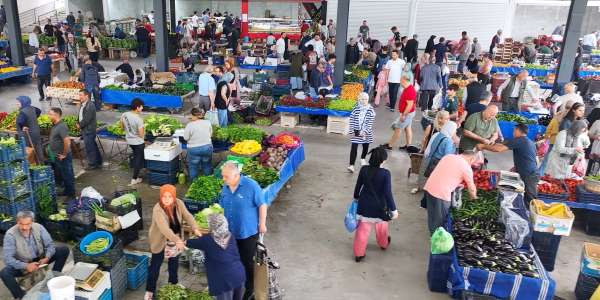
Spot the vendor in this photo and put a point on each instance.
(552, 131)
(569, 95)
(28, 126)
(569, 146)
(198, 134)
(59, 151)
(126, 68)
(27, 247)
(248, 218)
(481, 127)
(168, 217)
(133, 126)
(511, 92)
(524, 153)
(224, 269)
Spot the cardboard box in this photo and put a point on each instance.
(590, 259)
(554, 225)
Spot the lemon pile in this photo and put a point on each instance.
(246, 147)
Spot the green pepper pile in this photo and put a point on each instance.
(486, 207)
(177, 292)
(340, 104)
(177, 89)
(96, 246)
(515, 118)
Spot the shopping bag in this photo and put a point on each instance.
(266, 284)
(212, 116)
(350, 219)
(441, 241)
(580, 167)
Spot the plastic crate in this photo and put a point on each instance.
(12, 207)
(195, 206)
(41, 173)
(164, 166)
(6, 225)
(155, 178)
(585, 287)
(118, 278)
(14, 190)
(438, 272)
(260, 77)
(584, 196)
(8, 154)
(137, 274)
(592, 222)
(14, 170)
(546, 245)
(105, 261)
(106, 295)
(59, 230)
(289, 120)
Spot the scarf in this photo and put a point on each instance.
(574, 132)
(219, 229)
(169, 210)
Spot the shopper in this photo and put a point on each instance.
(484, 74)
(395, 66)
(411, 49)
(327, 81)
(406, 109)
(381, 78)
(476, 49)
(480, 128)
(315, 80)
(569, 95)
(331, 29)
(86, 122)
(511, 92)
(223, 93)
(91, 79)
(133, 125)
(449, 102)
(49, 28)
(450, 173)
(442, 143)
(552, 131)
(524, 156)
(168, 217)
(28, 127)
(72, 52)
(142, 36)
(93, 46)
(496, 40)
(430, 45)
(577, 112)
(34, 41)
(59, 40)
(230, 67)
(59, 151)
(569, 146)
(486, 98)
(473, 91)
(441, 52)
(207, 89)
(352, 52)
(280, 46)
(472, 64)
(42, 71)
(464, 50)
(364, 29)
(27, 248)
(594, 155)
(198, 134)
(248, 218)
(373, 192)
(431, 82)
(361, 129)
(224, 270)
(317, 45)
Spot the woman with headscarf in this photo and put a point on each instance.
(361, 129)
(222, 97)
(373, 192)
(165, 236)
(569, 146)
(430, 44)
(224, 269)
(28, 127)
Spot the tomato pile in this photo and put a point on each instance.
(572, 187)
(482, 179)
(551, 186)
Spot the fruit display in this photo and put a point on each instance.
(68, 85)
(286, 140)
(289, 100)
(263, 175)
(551, 186)
(177, 89)
(9, 69)
(9, 122)
(204, 189)
(350, 91)
(273, 157)
(116, 129)
(161, 125)
(236, 133)
(508, 117)
(247, 147)
(202, 216)
(341, 104)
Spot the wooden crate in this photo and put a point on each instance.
(339, 125)
(289, 120)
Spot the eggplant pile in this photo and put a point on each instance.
(480, 243)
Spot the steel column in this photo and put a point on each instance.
(341, 39)
(570, 43)
(13, 27)
(162, 37)
(172, 14)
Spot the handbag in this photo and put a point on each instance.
(212, 116)
(386, 214)
(433, 161)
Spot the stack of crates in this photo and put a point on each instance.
(15, 183)
(163, 172)
(42, 182)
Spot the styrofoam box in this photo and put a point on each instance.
(590, 259)
(154, 152)
(556, 226)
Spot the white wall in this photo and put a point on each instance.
(85, 5)
(25, 5)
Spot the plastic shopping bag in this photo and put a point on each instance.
(441, 241)
(517, 228)
(350, 220)
(213, 117)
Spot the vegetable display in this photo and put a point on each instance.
(8, 142)
(10, 121)
(486, 207)
(116, 129)
(125, 200)
(178, 292)
(96, 246)
(71, 122)
(5, 218)
(61, 216)
(550, 186)
(237, 133)
(557, 210)
(286, 140)
(508, 117)
(263, 122)
(9, 69)
(44, 122)
(536, 67)
(68, 85)
(273, 157)
(204, 189)
(44, 200)
(571, 185)
(161, 125)
(109, 42)
(247, 147)
(482, 179)
(177, 89)
(357, 73)
(201, 217)
(350, 91)
(341, 104)
(594, 177)
(264, 176)
(289, 100)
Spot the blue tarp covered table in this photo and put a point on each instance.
(289, 167)
(312, 111)
(537, 72)
(150, 100)
(24, 71)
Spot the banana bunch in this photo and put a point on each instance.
(556, 210)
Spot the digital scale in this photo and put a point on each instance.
(87, 276)
(511, 181)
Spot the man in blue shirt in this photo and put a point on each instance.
(27, 247)
(207, 88)
(246, 212)
(441, 49)
(524, 158)
(42, 70)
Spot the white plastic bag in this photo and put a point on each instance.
(213, 117)
(90, 192)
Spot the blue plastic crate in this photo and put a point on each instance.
(155, 178)
(12, 191)
(195, 206)
(164, 166)
(6, 225)
(8, 154)
(260, 77)
(137, 274)
(506, 128)
(584, 196)
(14, 170)
(12, 207)
(118, 278)
(41, 173)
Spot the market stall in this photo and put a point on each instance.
(508, 121)
(168, 96)
(15, 72)
(536, 70)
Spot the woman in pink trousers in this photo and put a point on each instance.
(376, 205)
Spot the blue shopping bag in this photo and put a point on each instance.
(350, 220)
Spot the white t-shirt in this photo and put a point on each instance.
(395, 67)
(590, 40)
(280, 46)
(195, 21)
(318, 46)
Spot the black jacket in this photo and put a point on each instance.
(352, 54)
(88, 122)
(410, 50)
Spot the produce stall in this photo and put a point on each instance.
(538, 70)
(508, 121)
(64, 90)
(169, 96)
(15, 72)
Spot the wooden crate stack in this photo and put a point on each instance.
(504, 52)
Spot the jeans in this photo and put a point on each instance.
(393, 91)
(137, 163)
(296, 83)
(41, 81)
(444, 84)
(461, 66)
(247, 249)
(426, 99)
(8, 274)
(312, 92)
(531, 183)
(354, 152)
(545, 161)
(154, 270)
(437, 211)
(199, 157)
(222, 117)
(65, 168)
(235, 294)
(95, 91)
(91, 150)
(93, 55)
(361, 237)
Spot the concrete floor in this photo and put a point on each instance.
(306, 232)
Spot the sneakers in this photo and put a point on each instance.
(402, 148)
(359, 258)
(363, 162)
(389, 241)
(350, 169)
